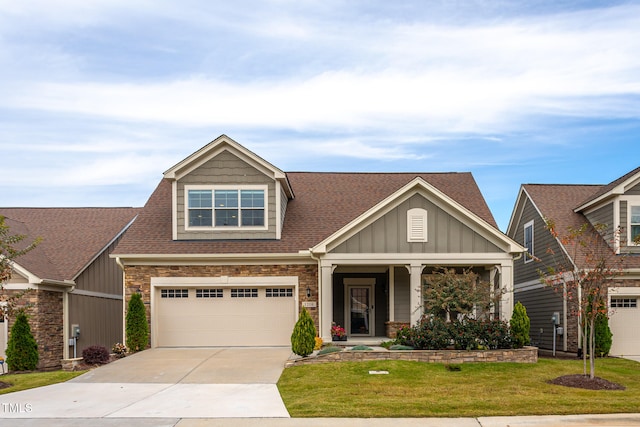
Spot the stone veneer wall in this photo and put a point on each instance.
(138, 279)
(520, 355)
(46, 322)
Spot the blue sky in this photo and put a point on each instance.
(98, 98)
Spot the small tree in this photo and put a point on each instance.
(22, 350)
(520, 326)
(11, 247)
(449, 294)
(582, 272)
(137, 328)
(303, 338)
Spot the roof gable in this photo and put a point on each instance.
(216, 147)
(418, 186)
(615, 188)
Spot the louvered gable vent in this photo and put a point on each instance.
(416, 225)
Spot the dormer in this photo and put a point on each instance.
(618, 206)
(226, 192)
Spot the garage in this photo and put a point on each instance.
(623, 321)
(224, 316)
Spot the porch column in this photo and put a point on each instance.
(392, 293)
(506, 300)
(326, 304)
(415, 292)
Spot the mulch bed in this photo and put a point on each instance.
(582, 381)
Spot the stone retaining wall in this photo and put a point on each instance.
(520, 355)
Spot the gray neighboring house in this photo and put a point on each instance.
(229, 248)
(617, 205)
(72, 279)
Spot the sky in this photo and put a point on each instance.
(98, 98)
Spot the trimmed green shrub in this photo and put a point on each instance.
(303, 338)
(520, 326)
(330, 349)
(22, 349)
(137, 328)
(401, 347)
(603, 336)
(95, 355)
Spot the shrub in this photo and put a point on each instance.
(400, 347)
(520, 326)
(361, 348)
(303, 338)
(137, 328)
(22, 349)
(429, 333)
(95, 355)
(329, 349)
(494, 334)
(603, 335)
(318, 345)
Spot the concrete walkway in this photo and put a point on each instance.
(164, 383)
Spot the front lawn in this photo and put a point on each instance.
(414, 389)
(19, 382)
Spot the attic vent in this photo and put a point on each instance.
(416, 225)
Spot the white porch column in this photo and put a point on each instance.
(326, 305)
(415, 292)
(506, 301)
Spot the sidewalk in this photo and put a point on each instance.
(609, 420)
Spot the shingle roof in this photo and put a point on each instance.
(324, 203)
(71, 237)
(557, 202)
(606, 188)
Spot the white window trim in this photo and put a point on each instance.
(631, 204)
(414, 217)
(213, 188)
(528, 259)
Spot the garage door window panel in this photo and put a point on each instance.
(624, 302)
(209, 293)
(279, 293)
(174, 293)
(244, 293)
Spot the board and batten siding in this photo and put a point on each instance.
(542, 241)
(541, 303)
(388, 234)
(227, 169)
(96, 302)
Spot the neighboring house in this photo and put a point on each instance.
(616, 205)
(72, 279)
(229, 248)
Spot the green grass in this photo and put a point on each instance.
(35, 379)
(414, 389)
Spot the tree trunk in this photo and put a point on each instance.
(584, 347)
(592, 347)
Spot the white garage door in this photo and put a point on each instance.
(624, 322)
(224, 316)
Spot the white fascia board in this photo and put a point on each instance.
(423, 258)
(416, 186)
(29, 276)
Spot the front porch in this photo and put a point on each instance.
(372, 301)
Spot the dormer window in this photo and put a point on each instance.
(226, 207)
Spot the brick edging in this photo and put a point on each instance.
(520, 355)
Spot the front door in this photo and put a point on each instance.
(360, 315)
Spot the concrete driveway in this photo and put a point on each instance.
(165, 383)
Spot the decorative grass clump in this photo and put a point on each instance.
(329, 349)
(401, 347)
(361, 348)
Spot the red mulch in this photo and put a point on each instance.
(582, 381)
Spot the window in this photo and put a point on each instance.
(244, 293)
(528, 241)
(226, 207)
(279, 293)
(634, 224)
(174, 293)
(416, 225)
(209, 293)
(624, 303)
